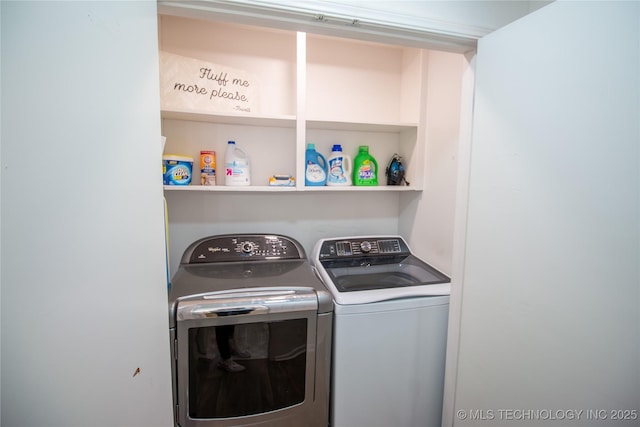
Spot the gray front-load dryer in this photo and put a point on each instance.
(251, 332)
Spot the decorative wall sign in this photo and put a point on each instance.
(195, 85)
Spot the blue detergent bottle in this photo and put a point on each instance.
(315, 169)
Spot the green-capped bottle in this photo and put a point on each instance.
(365, 168)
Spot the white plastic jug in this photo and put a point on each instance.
(236, 165)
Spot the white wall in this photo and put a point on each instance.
(84, 303)
(428, 220)
(550, 316)
(306, 217)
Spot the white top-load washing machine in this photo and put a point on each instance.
(390, 332)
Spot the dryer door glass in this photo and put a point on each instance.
(246, 369)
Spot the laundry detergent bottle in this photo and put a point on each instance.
(365, 171)
(339, 167)
(315, 169)
(236, 165)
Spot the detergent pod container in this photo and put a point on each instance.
(365, 171)
(176, 170)
(315, 169)
(339, 167)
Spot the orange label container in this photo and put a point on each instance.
(207, 168)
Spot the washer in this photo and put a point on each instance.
(251, 334)
(390, 332)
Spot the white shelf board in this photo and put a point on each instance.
(232, 119)
(374, 189)
(360, 126)
(276, 189)
(223, 188)
(285, 121)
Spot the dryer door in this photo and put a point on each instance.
(247, 355)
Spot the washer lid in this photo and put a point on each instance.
(381, 272)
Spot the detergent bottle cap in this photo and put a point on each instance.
(363, 149)
(311, 146)
(336, 147)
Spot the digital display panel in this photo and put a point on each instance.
(343, 248)
(389, 246)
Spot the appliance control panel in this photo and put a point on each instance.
(363, 246)
(242, 247)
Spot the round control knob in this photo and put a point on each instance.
(365, 246)
(247, 247)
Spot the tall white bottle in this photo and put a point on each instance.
(236, 165)
(339, 167)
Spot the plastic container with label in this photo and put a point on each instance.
(176, 170)
(315, 168)
(236, 165)
(339, 167)
(365, 171)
